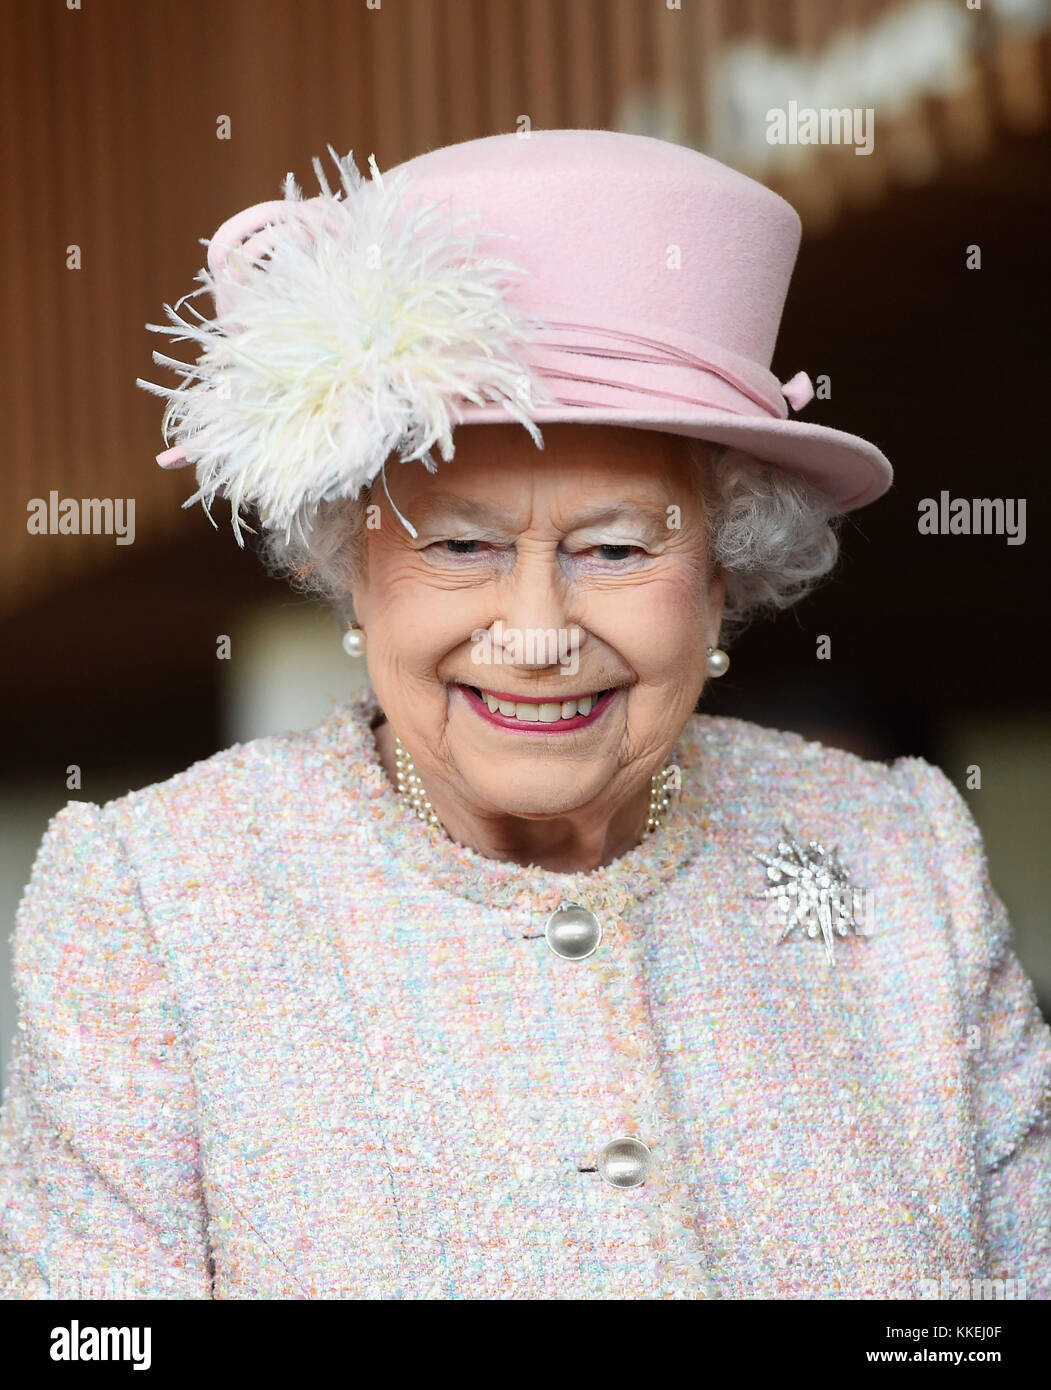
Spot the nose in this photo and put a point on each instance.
(537, 603)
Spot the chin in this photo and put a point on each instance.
(533, 803)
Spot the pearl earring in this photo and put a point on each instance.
(354, 641)
(718, 662)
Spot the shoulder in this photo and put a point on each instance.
(237, 792)
(241, 776)
(902, 823)
(96, 861)
(770, 772)
(736, 753)
(84, 962)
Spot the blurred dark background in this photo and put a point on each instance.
(114, 141)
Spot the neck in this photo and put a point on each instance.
(561, 844)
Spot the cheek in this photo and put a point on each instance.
(406, 614)
(658, 626)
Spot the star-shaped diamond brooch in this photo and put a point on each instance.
(810, 889)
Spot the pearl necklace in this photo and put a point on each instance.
(410, 786)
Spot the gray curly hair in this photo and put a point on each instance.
(773, 534)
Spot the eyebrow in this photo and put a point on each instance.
(485, 513)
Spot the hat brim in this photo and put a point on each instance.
(848, 470)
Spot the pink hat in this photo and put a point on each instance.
(645, 290)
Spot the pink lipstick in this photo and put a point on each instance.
(474, 698)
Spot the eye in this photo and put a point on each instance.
(459, 548)
(456, 546)
(616, 552)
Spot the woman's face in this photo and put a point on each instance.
(539, 578)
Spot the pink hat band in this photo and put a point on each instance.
(697, 373)
(702, 376)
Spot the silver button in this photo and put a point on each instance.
(572, 931)
(625, 1163)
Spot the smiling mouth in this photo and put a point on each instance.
(556, 712)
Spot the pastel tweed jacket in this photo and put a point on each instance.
(279, 1039)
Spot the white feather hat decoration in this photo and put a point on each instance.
(346, 330)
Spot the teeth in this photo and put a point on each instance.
(549, 712)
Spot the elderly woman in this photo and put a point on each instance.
(516, 977)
